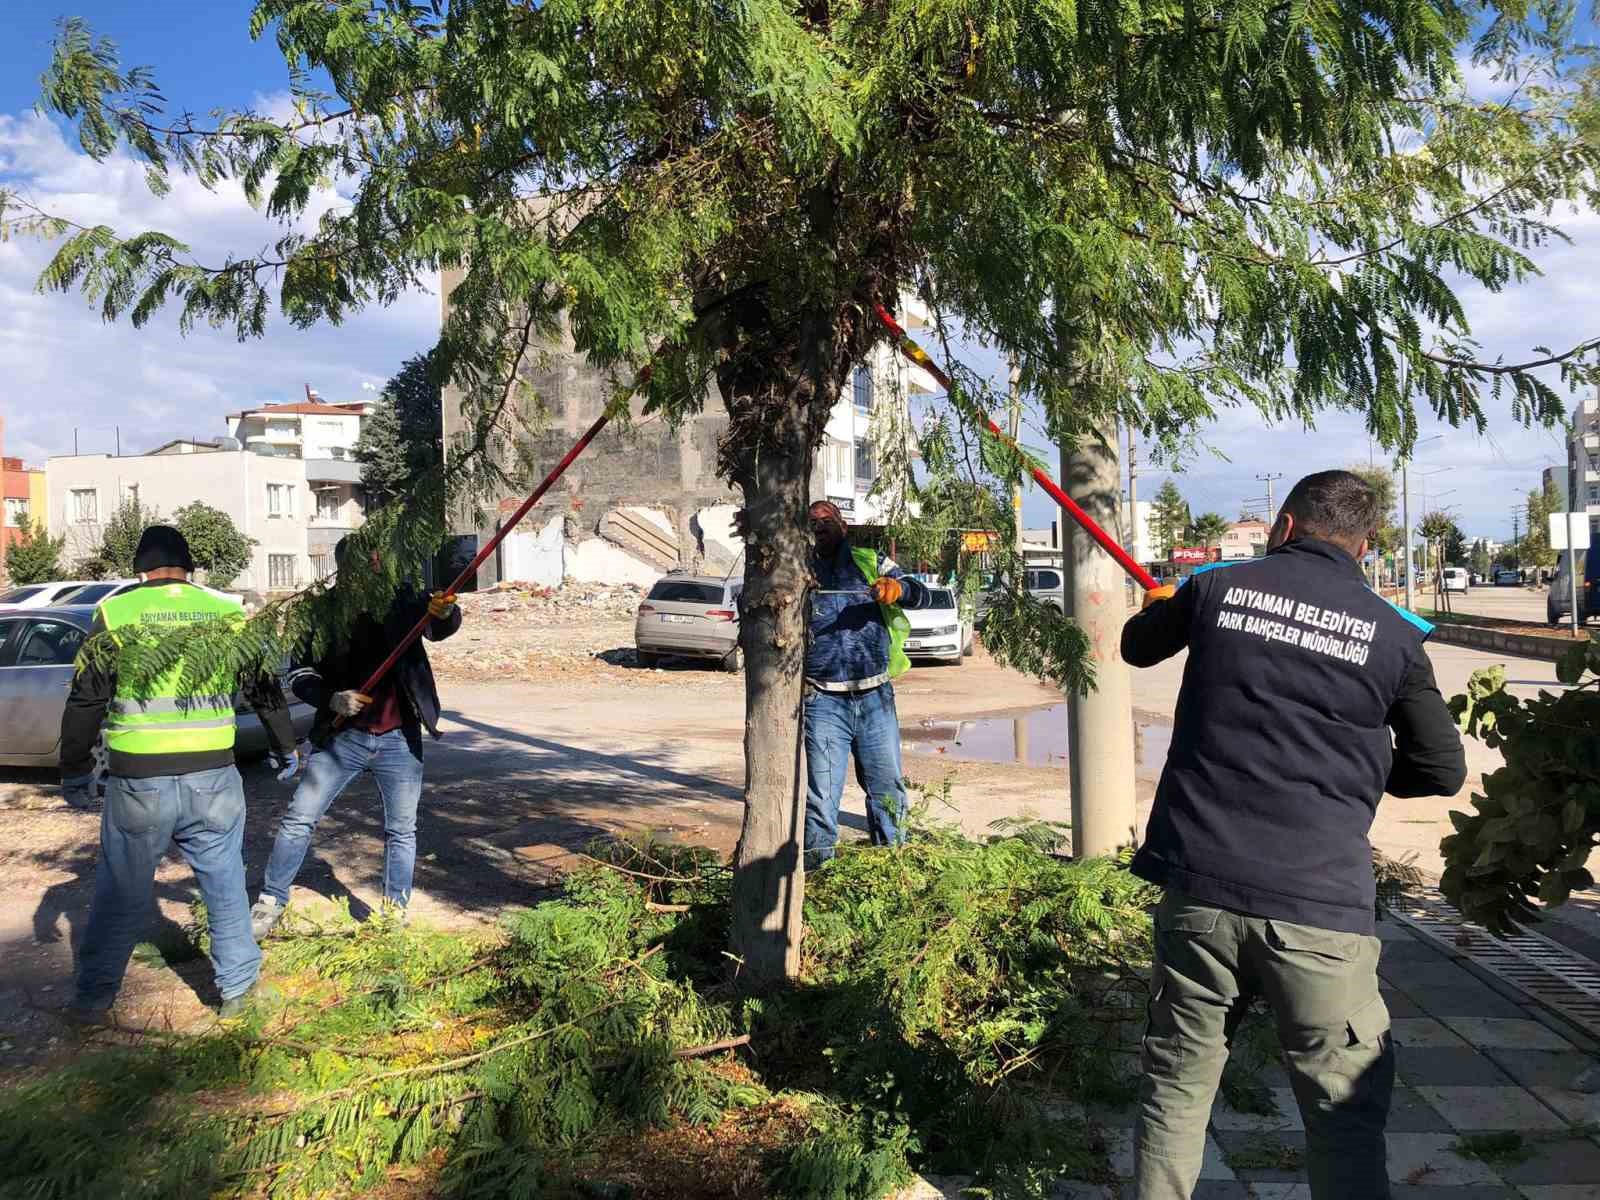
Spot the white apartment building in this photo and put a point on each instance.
(875, 405)
(1583, 461)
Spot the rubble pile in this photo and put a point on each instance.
(526, 631)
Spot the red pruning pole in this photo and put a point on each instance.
(489, 546)
(920, 356)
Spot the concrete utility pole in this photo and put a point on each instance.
(1099, 725)
(1016, 423)
(1405, 520)
(1272, 512)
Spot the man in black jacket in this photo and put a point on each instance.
(1305, 698)
(381, 733)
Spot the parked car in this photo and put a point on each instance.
(1507, 578)
(1455, 579)
(1558, 603)
(91, 594)
(940, 630)
(37, 649)
(1044, 585)
(695, 616)
(37, 595)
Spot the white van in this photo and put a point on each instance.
(1455, 579)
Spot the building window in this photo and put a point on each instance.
(836, 462)
(861, 389)
(130, 491)
(85, 504)
(1594, 493)
(321, 566)
(328, 504)
(16, 510)
(280, 572)
(280, 499)
(866, 464)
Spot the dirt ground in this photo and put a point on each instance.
(553, 736)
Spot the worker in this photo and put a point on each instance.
(172, 778)
(355, 732)
(1305, 698)
(857, 647)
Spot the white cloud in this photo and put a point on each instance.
(64, 369)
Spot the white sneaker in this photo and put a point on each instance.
(264, 918)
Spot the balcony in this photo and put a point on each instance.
(332, 470)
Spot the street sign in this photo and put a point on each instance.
(1188, 554)
(1575, 524)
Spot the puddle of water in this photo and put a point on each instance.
(1036, 739)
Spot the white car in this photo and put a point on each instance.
(1455, 579)
(38, 595)
(942, 630)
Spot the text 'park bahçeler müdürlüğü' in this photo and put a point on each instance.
(1297, 623)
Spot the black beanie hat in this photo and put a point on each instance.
(161, 546)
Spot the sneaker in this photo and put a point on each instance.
(264, 918)
(245, 1001)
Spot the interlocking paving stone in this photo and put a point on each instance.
(1424, 1032)
(1069, 1189)
(1478, 1109)
(1393, 931)
(1439, 974)
(1494, 1033)
(1426, 1158)
(1219, 1189)
(1447, 1066)
(1560, 1191)
(1570, 1160)
(1410, 951)
(1581, 1108)
(1280, 1191)
(1546, 1068)
(1469, 1000)
(1399, 1004)
(1408, 1191)
(1287, 1116)
(1119, 1147)
(1237, 1142)
(1410, 1113)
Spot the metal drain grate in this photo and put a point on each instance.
(1542, 969)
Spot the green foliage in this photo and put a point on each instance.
(1535, 823)
(945, 987)
(1208, 529)
(1534, 550)
(119, 538)
(215, 543)
(1169, 520)
(1269, 1154)
(1388, 538)
(1496, 1149)
(1482, 560)
(35, 557)
(402, 441)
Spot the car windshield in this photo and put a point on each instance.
(679, 591)
(941, 598)
(89, 593)
(18, 595)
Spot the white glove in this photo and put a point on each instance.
(290, 764)
(350, 704)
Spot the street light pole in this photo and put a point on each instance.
(1405, 517)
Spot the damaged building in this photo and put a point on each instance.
(645, 497)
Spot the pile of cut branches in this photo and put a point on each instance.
(952, 991)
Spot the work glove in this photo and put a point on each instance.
(350, 703)
(1165, 592)
(78, 791)
(440, 605)
(288, 765)
(887, 590)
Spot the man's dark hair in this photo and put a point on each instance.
(1337, 506)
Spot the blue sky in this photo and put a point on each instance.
(65, 370)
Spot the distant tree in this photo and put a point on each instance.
(402, 441)
(35, 557)
(1389, 537)
(216, 544)
(1208, 529)
(1534, 549)
(1169, 520)
(1481, 560)
(119, 539)
(1439, 532)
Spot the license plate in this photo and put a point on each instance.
(675, 619)
(913, 643)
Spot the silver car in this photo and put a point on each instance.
(37, 650)
(696, 616)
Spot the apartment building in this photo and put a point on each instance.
(1583, 461)
(1245, 539)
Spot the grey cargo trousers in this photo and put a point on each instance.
(1323, 989)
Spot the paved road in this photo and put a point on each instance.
(1507, 603)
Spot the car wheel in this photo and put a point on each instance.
(646, 658)
(733, 663)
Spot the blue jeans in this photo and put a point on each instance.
(837, 725)
(203, 812)
(332, 769)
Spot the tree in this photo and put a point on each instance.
(402, 440)
(35, 557)
(119, 539)
(1534, 549)
(1439, 533)
(215, 543)
(726, 191)
(1482, 562)
(1209, 528)
(1389, 538)
(1169, 519)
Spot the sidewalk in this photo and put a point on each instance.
(1474, 1058)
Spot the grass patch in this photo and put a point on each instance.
(951, 991)
(1494, 1149)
